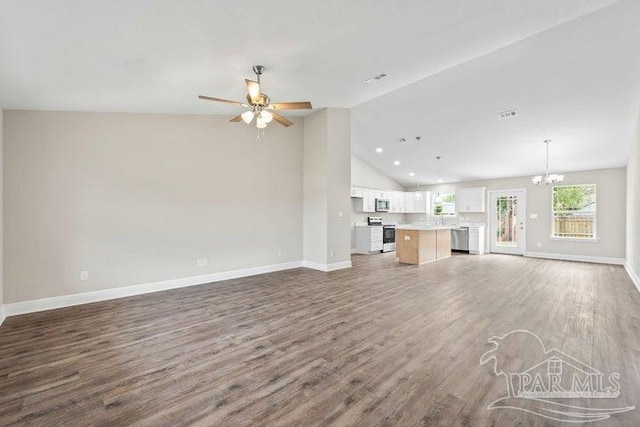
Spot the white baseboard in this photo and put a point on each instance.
(339, 265)
(127, 291)
(326, 267)
(579, 258)
(634, 276)
(2, 315)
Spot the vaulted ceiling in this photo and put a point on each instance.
(570, 68)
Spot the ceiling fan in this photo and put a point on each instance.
(260, 106)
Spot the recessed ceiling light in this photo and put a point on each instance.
(397, 162)
(377, 77)
(412, 174)
(439, 180)
(379, 150)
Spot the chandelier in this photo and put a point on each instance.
(547, 178)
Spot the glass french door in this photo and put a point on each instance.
(507, 235)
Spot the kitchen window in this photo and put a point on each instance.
(444, 204)
(574, 212)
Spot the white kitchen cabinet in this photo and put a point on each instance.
(471, 199)
(476, 240)
(410, 202)
(400, 201)
(397, 202)
(357, 192)
(367, 203)
(368, 239)
(418, 205)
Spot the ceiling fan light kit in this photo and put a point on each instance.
(259, 104)
(547, 178)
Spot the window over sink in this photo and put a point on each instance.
(444, 204)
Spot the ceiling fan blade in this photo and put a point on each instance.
(236, 119)
(306, 105)
(226, 101)
(278, 118)
(254, 90)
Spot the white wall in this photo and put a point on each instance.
(610, 217)
(136, 198)
(365, 175)
(633, 204)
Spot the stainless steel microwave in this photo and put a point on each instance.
(382, 205)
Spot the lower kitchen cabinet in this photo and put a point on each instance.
(476, 240)
(368, 238)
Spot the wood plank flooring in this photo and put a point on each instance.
(380, 344)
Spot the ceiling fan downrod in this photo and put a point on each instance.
(258, 69)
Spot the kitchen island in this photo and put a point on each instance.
(420, 244)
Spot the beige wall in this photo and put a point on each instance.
(315, 188)
(327, 149)
(1, 211)
(610, 217)
(339, 185)
(136, 198)
(633, 204)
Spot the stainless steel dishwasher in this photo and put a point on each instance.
(460, 239)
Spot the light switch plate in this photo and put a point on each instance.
(533, 216)
(407, 237)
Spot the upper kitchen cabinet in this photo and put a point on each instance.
(357, 192)
(367, 203)
(471, 199)
(418, 202)
(399, 201)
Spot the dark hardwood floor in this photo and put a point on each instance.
(376, 345)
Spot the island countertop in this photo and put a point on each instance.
(425, 227)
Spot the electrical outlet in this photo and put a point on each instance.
(199, 262)
(84, 275)
(205, 262)
(539, 244)
(280, 252)
(330, 253)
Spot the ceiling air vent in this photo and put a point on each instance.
(507, 114)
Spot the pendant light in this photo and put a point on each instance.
(437, 198)
(547, 178)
